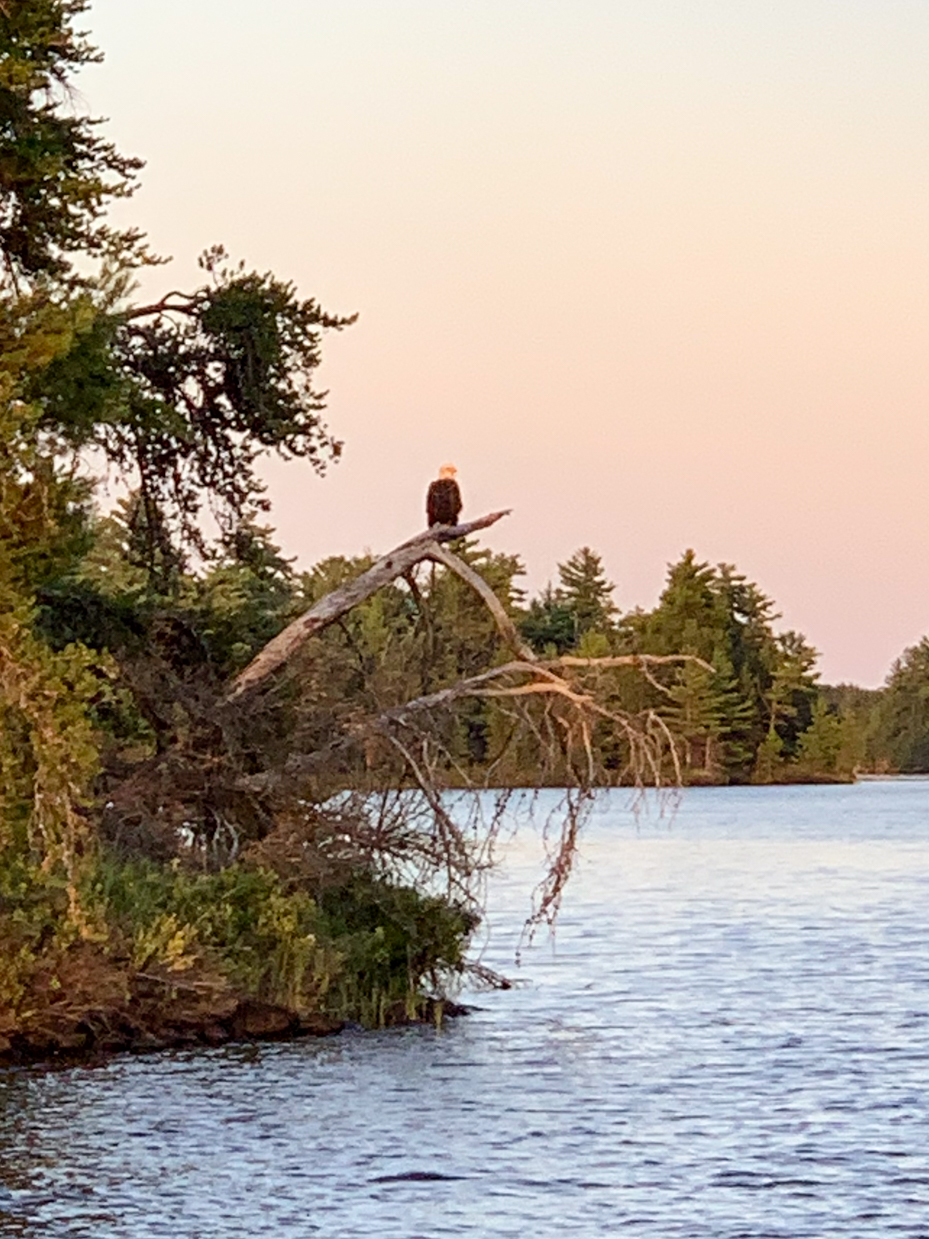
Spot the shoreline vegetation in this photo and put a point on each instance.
(225, 784)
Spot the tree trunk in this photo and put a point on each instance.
(329, 609)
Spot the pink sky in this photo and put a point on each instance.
(653, 274)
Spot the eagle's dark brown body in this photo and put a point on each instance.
(443, 502)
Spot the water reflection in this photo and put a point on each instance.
(729, 1039)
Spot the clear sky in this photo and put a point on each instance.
(654, 273)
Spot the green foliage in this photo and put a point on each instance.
(34, 922)
(356, 953)
(50, 191)
(792, 694)
(587, 592)
(549, 624)
(744, 719)
(262, 938)
(859, 710)
(242, 601)
(741, 712)
(43, 512)
(43, 506)
(411, 638)
(558, 620)
(109, 646)
(769, 759)
(465, 639)
(902, 721)
(701, 713)
(170, 647)
(394, 941)
(57, 174)
(823, 748)
(184, 396)
(48, 759)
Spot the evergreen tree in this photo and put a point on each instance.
(185, 395)
(57, 173)
(182, 396)
(697, 715)
(549, 624)
(586, 592)
(824, 744)
(688, 618)
(859, 710)
(56, 177)
(708, 714)
(749, 712)
(791, 696)
(903, 715)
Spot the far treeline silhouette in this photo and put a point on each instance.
(757, 713)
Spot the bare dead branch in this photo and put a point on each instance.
(349, 779)
(507, 628)
(536, 679)
(626, 660)
(335, 604)
(187, 305)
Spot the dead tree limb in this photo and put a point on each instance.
(395, 563)
(520, 678)
(442, 555)
(309, 792)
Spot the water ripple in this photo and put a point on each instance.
(728, 1040)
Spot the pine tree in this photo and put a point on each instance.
(549, 623)
(586, 592)
(755, 704)
(697, 715)
(688, 618)
(823, 744)
(903, 714)
(57, 173)
(791, 694)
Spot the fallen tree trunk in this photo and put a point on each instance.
(262, 778)
(333, 606)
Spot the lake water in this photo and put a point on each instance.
(729, 1038)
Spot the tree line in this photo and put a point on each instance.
(756, 712)
(747, 709)
(746, 706)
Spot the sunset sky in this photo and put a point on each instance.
(655, 274)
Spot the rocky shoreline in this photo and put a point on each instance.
(98, 1036)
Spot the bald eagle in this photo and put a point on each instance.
(443, 502)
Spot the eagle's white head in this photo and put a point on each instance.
(447, 471)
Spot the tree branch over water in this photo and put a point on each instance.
(298, 771)
(328, 610)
